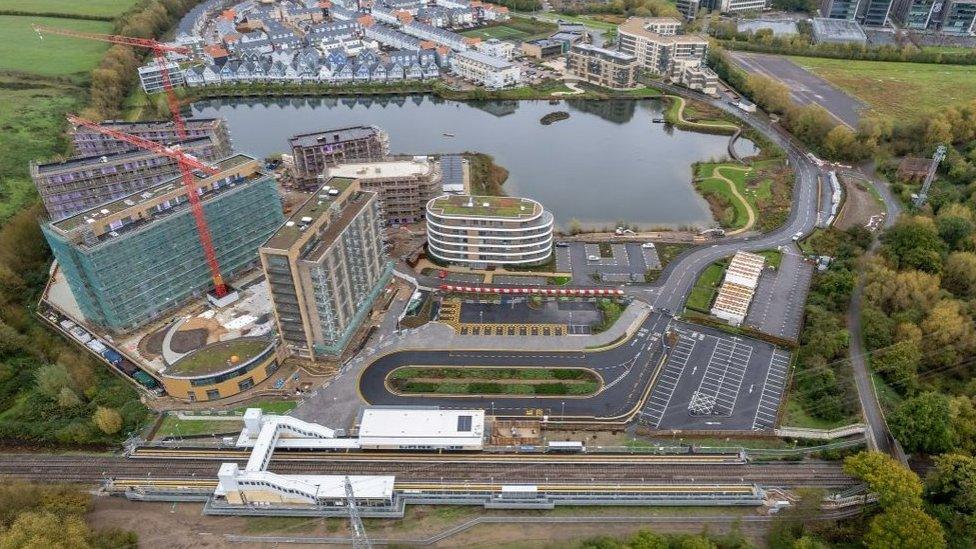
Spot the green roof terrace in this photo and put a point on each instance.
(218, 357)
(503, 207)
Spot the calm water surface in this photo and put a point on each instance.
(608, 162)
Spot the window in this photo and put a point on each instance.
(191, 396)
(213, 394)
(246, 384)
(464, 424)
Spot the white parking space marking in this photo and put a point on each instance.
(772, 392)
(660, 397)
(719, 387)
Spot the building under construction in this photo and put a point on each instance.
(134, 259)
(83, 182)
(325, 266)
(313, 152)
(89, 142)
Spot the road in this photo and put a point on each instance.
(870, 407)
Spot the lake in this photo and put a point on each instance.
(608, 162)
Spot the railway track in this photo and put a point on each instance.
(98, 468)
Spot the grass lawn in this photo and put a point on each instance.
(98, 8)
(773, 257)
(218, 356)
(708, 183)
(22, 50)
(172, 426)
(500, 32)
(587, 20)
(899, 90)
(702, 294)
(31, 119)
(796, 417)
(269, 406)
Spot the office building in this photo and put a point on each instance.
(479, 231)
(734, 6)
(688, 8)
(404, 186)
(313, 152)
(609, 68)
(956, 17)
(83, 182)
(134, 259)
(88, 142)
(543, 48)
(152, 78)
(325, 266)
(839, 9)
(490, 72)
(696, 76)
(738, 287)
(874, 13)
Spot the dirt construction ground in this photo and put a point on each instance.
(183, 526)
(859, 203)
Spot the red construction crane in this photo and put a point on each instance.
(159, 51)
(186, 163)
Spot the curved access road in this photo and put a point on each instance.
(626, 369)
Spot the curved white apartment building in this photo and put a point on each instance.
(488, 230)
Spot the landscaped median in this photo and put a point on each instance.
(463, 381)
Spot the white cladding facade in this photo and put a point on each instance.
(479, 231)
(490, 72)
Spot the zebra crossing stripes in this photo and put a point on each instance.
(719, 387)
(660, 397)
(772, 392)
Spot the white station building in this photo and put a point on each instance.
(380, 428)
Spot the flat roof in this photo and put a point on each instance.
(351, 133)
(636, 26)
(418, 166)
(618, 55)
(146, 125)
(463, 205)
(315, 207)
(838, 29)
(492, 62)
(95, 161)
(218, 357)
(135, 199)
(421, 423)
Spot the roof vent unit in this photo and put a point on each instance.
(129, 202)
(306, 219)
(334, 192)
(289, 223)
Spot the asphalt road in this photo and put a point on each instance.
(626, 369)
(805, 87)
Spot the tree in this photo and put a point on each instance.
(894, 484)
(768, 93)
(963, 413)
(904, 528)
(877, 328)
(68, 398)
(955, 224)
(948, 335)
(646, 539)
(108, 420)
(841, 143)
(914, 243)
(959, 274)
(898, 364)
(51, 378)
(47, 530)
(953, 480)
(924, 423)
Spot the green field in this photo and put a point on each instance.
(898, 90)
(97, 8)
(500, 32)
(703, 293)
(707, 183)
(22, 50)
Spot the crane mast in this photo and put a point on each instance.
(185, 162)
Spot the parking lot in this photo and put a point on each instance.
(713, 381)
(577, 316)
(777, 307)
(626, 262)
